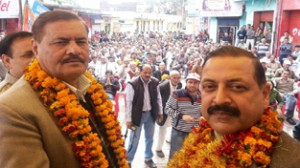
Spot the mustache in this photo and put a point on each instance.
(225, 108)
(73, 58)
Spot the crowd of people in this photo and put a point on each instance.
(223, 112)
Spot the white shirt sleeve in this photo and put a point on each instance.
(159, 101)
(129, 98)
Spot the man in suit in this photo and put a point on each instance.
(16, 53)
(238, 128)
(144, 107)
(57, 115)
(166, 88)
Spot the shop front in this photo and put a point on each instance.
(228, 25)
(9, 16)
(289, 20)
(224, 17)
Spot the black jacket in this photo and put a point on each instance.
(165, 92)
(138, 99)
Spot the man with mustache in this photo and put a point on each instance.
(183, 108)
(56, 114)
(144, 107)
(238, 128)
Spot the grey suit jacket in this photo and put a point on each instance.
(29, 134)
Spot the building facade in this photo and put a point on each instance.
(288, 20)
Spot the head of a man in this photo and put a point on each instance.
(286, 34)
(162, 66)
(285, 74)
(192, 83)
(16, 52)
(174, 77)
(61, 45)
(263, 40)
(132, 66)
(297, 48)
(146, 72)
(286, 64)
(234, 90)
(268, 54)
(108, 73)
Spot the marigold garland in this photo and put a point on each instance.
(247, 148)
(74, 119)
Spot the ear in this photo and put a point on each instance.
(34, 47)
(6, 60)
(266, 94)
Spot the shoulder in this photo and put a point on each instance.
(287, 153)
(164, 83)
(154, 80)
(180, 92)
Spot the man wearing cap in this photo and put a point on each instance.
(184, 109)
(286, 66)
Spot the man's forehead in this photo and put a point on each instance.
(222, 66)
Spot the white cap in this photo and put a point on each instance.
(194, 76)
(287, 62)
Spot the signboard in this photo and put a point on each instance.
(221, 8)
(9, 9)
(38, 8)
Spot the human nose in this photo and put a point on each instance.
(221, 96)
(73, 48)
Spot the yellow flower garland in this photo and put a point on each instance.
(74, 119)
(247, 148)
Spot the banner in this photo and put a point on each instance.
(221, 8)
(30, 14)
(9, 9)
(38, 8)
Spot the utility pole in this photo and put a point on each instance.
(20, 15)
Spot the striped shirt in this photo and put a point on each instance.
(181, 103)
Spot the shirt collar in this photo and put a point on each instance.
(145, 81)
(83, 84)
(10, 79)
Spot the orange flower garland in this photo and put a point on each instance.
(244, 149)
(74, 119)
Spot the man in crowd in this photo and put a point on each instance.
(262, 48)
(16, 53)
(144, 107)
(161, 71)
(288, 36)
(287, 89)
(110, 84)
(241, 35)
(285, 50)
(296, 53)
(54, 115)
(250, 37)
(238, 128)
(167, 87)
(184, 109)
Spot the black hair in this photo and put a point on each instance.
(230, 51)
(50, 17)
(5, 44)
